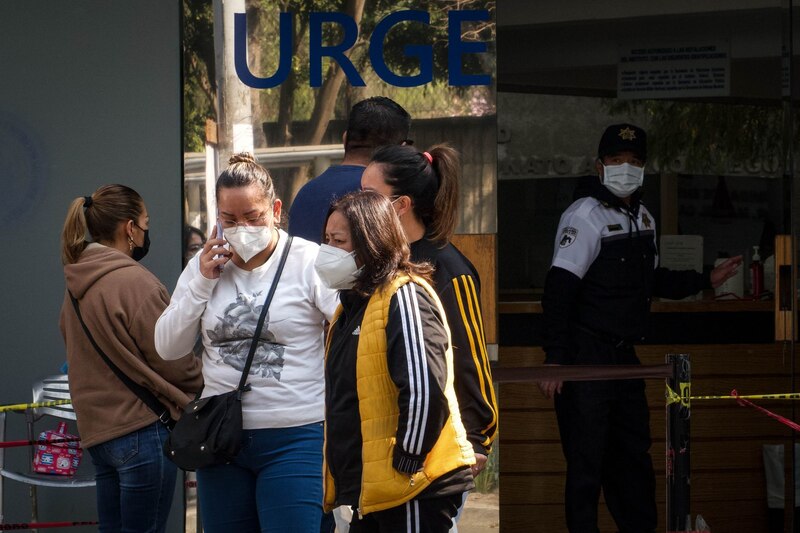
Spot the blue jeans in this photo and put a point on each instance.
(135, 482)
(273, 485)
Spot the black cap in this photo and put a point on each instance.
(623, 138)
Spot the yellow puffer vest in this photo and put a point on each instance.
(383, 487)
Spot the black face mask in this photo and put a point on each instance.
(139, 252)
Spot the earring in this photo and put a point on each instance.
(130, 243)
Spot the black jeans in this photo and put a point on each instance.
(605, 436)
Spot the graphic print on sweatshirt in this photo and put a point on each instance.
(234, 334)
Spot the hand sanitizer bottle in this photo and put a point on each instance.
(756, 275)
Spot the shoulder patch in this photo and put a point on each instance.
(568, 236)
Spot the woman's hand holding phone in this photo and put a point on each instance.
(214, 255)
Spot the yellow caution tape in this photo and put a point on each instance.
(685, 398)
(787, 396)
(672, 396)
(24, 406)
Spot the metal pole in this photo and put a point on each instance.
(30, 417)
(234, 114)
(790, 98)
(678, 471)
(211, 171)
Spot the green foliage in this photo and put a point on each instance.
(432, 100)
(199, 90)
(712, 137)
(193, 124)
(436, 35)
(296, 99)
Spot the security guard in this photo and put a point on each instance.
(596, 303)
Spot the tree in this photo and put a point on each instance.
(199, 89)
(294, 99)
(326, 98)
(711, 137)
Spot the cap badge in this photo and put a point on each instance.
(627, 134)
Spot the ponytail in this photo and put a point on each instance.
(446, 164)
(430, 179)
(73, 236)
(98, 216)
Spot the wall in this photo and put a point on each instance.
(90, 95)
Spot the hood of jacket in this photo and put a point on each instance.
(95, 262)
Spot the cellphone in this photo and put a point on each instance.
(219, 236)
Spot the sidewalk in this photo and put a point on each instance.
(481, 514)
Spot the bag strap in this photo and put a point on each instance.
(147, 397)
(243, 387)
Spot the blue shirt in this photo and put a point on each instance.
(310, 206)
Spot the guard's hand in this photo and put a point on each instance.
(480, 464)
(550, 388)
(213, 257)
(725, 270)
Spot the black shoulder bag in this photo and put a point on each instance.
(147, 397)
(210, 430)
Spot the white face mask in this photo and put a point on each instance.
(248, 241)
(623, 180)
(336, 267)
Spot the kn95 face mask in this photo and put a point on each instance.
(248, 242)
(336, 267)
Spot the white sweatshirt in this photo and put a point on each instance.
(287, 376)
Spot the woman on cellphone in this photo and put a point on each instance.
(275, 483)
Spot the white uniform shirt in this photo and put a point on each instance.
(587, 224)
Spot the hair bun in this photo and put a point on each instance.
(241, 157)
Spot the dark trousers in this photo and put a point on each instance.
(429, 515)
(605, 436)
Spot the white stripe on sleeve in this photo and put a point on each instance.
(417, 369)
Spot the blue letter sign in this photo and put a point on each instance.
(316, 50)
(240, 53)
(424, 53)
(456, 48)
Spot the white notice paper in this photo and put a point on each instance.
(682, 252)
(674, 71)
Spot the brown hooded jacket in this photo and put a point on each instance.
(120, 301)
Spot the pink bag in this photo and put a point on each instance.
(62, 458)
